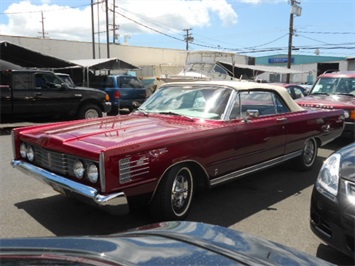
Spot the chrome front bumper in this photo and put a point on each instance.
(115, 203)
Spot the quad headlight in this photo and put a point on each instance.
(92, 173)
(78, 169)
(75, 167)
(23, 150)
(27, 152)
(86, 169)
(30, 153)
(328, 177)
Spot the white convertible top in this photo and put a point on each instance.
(246, 85)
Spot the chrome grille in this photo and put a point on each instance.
(53, 161)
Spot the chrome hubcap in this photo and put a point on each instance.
(91, 114)
(308, 152)
(180, 191)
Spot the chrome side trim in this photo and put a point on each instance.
(102, 172)
(328, 141)
(13, 144)
(254, 168)
(116, 200)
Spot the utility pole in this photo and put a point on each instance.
(114, 26)
(42, 22)
(93, 29)
(107, 30)
(188, 38)
(295, 10)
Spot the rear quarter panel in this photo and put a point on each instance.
(324, 125)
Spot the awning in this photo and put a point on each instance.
(238, 70)
(270, 69)
(104, 63)
(24, 57)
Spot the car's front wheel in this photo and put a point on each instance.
(173, 197)
(308, 157)
(89, 111)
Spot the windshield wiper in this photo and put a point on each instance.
(169, 113)
(175, 114)
(141, 111)
(346, 94)
(320, 93)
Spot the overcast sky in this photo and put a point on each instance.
(251, 27)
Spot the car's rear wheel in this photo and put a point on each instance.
(308, 157)
(89, 111)
(173, 198)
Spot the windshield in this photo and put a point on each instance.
(67, 80)
(336, 85)
(191, 101)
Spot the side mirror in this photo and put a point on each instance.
(250, 114)
(63, 86)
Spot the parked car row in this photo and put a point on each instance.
(35, 92)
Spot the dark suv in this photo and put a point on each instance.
(334, 90)
(43, 93)
(125, 91)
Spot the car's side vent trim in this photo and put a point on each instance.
(129, 169)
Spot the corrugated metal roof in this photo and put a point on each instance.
(104, 63)
(24, 57)
(270, 69)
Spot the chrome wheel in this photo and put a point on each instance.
(181, 191)
(91, 113)
(308, 157)
(173, 197)
(309, 152)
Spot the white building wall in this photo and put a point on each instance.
(74, 50)
(351, 64)
(308, 75)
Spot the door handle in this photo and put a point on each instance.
(38, 93)
(282, 119)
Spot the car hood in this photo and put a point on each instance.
(97, 135)
(348, 162)
(166, 243)
(327, 101)
(88, 89)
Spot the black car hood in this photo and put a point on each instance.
(167, 243)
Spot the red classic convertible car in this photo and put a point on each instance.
(186, 136)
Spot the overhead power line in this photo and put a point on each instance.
(147, 27)
(244, 50)
(326, 32)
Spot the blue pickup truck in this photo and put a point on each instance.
(125, 91)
